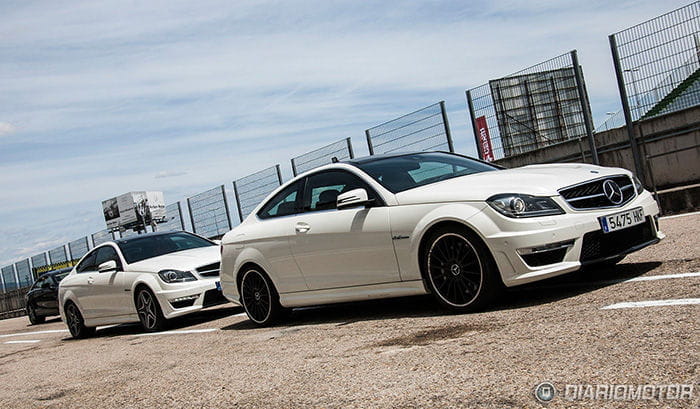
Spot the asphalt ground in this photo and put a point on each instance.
(395, 353)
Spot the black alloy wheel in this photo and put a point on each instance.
(259, 297)
(459, 270)
(75, 322)
(33, 318)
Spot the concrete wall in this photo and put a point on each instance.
(662, 134)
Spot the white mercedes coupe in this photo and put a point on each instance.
(147, 278)
(440, 223)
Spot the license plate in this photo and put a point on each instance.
(218, 285)
(621, 220)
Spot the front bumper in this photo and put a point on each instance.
(576, 236)
(181, 299)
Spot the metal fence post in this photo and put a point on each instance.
(472, 116)
(294, 167)
(189, 208)
(638, 166)
(238, 201)
(369, 142)
(350, 151)
(279, 174)
(228, 214)
(179, 212)
(585, 107)
(446, 123)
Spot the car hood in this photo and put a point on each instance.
(536, 180)
(186, 260)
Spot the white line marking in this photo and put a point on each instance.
(680, 215)
(242, 314)
(653, 303)
(23, 341)
(188, 331)
(665, 276)
(19, 334)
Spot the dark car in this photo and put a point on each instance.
(42, 298)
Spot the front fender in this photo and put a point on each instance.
(415, 220)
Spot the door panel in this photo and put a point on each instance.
(106, 295)
(340, 248)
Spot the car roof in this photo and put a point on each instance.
(140, 236)
(54, 272)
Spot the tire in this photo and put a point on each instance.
(149, 312)
(75, 322)
(459, 269)
(33, 318)
(259, 298)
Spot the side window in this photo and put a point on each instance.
(283, 203)
(39, 283)
(107, 253)
(88, 263)
(322, 189)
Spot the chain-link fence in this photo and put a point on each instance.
(8, 278)
(252, 189)
(209, 212)
(531, 109)
(101, 236)
(39, 260)
(340, 150)
(658, 63)
(25, 278)
(58, 255)
(426, 129)
(174, 220)
(78, 248)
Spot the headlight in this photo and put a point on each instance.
(515, 205)
(638, 185)
(176, 276)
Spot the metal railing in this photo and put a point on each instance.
(340, 150)
(426, 129)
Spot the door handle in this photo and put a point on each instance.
(302, 227)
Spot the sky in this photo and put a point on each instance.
(99, 98)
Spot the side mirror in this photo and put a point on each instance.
(353, 198)
(107, 266)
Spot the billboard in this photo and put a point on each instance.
(134, 208)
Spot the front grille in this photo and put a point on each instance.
(591, 195)
(210, 270)
(597, 245)
(213, 297)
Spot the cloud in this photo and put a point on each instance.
(6, 128)
(169, 173)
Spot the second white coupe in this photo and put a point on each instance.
(147, 278)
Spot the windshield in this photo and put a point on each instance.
(60, 276)
(140, 248)
(405, 172)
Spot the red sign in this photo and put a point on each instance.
(484, 139)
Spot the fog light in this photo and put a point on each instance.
(186, 298)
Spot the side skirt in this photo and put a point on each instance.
(348, 294)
